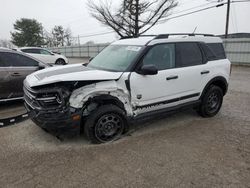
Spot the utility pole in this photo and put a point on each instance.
(79, 42)
(227, 20)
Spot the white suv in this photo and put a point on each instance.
(45, 55)
(129, 80)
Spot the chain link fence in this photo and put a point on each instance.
(237, 50)
(81, 51)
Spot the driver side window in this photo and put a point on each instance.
(162, 56)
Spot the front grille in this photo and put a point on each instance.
(30, 98)
(44, 99)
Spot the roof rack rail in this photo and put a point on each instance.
(132, 37)
(162, 36)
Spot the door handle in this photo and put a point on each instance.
(16, 74)
(172, 77)
(205, 72)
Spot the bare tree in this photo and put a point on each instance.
(133, 17)
(68, 37)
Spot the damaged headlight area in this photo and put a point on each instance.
(49, 108)
(45, 99)
(49, 100)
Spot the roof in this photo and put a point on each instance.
(29, 47)
(141, 41)
(5, 49)
(167, 38)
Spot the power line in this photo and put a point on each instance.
(193, 8)
(185, 14)
(203, 9)
(97, 34)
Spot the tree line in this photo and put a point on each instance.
(29, 32)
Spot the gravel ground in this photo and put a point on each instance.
(181, 150)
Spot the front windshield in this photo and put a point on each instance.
(115, 58)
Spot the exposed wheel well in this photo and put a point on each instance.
(97, 101)
(217, 81)
(105, 100)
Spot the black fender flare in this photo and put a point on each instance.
(219, 81)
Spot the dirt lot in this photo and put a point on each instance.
(181, 150)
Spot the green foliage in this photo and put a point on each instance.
(28, 32)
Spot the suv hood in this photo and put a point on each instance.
(69, 73)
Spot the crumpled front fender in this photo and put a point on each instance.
(80, 96)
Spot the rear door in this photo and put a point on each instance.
(190, 69)
(19, 66)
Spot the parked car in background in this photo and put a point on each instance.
(45, 55)
(14, 67)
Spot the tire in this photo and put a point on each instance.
(107, 123)
(60, 62)
(211, 102)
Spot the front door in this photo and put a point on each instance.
(150, 92)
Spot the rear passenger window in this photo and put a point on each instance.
(162, 56)
(17, 60)
(188, 54)
(218, 50)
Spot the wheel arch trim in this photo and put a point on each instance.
(217, 81)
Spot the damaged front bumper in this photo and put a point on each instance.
(48, 109)
(66, 121)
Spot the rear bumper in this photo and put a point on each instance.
(66, 121)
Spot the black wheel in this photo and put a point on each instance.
(107, 123)
(60, 62)
(211, 102)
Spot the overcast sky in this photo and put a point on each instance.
(74, 14)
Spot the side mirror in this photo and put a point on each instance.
(41, 67)
(148, 70)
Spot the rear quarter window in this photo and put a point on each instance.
(218, 50)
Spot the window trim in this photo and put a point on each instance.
(135, 67)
